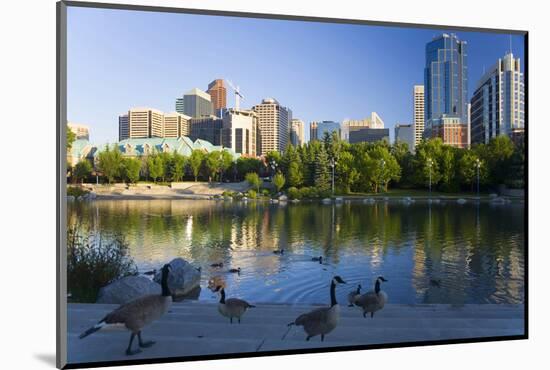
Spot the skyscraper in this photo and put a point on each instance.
(498, 103)
(446, 78)
(297, 132)
(373, 122)
(405, 134)
(326, 127)
(141, 123)
(80, 131)
(176, 125)
(207, 128)
(273, 125)
(239, 131)
(418, 114)
(446, 89)
(195, 103)
(312, 131)
(218, 94)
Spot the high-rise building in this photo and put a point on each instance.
(206, 128)
(82, 132)
(405, 134)
(273, 125)
(358, 134)
(418, 113)
(195, 103)
(446, 78)
(498, 103)
(239, 131)
(450, 129)
(374, 122)
(141, 123)
(176, 125)
(326, 127)
(297, 132)
(446, 88)
(218, 94)
(312, 131)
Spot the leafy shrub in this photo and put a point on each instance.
(76, 191)
(294, 193)
(92, 263)
(265, 192)
(251, 194)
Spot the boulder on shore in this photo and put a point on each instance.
(183, 277)
(283, 198)
(127, 289)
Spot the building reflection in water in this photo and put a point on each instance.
(434, 253)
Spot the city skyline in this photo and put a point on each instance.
(336, 58)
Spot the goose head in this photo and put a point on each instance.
(338, 280)
(379, 279)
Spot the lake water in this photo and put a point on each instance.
(440, 253)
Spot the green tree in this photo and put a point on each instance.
(279, 181)
(254, 180)
(176, 167)
(226, 162)
(213, 164)
(246, 165)
(295, 176)
(500, 150)
(195, 162)
(347, 174)
(322, 173)
(71, 137)
(155, 166)
(130, 170)
(110, 163)
(426, 162)
(467, 169)
(82, 170)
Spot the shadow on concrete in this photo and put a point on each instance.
(46, 358)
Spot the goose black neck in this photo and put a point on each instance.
(377, 286)
(222, 293)
(333, 294)
(164, 284)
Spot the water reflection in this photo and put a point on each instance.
(442, 253)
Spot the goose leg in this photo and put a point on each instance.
(231, 320)
(372, 315)
(322, 337)
(129, 351)
(308, 337)
(144, 344)
(350, 305)
(239, 320)
(364, 314)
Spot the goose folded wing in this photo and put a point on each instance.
(133, 309)
(317, 315)
(368, 299)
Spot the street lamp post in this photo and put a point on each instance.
(430, 163)
(382, 163)
(333, 165)
(478, 165)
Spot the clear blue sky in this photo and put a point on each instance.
(119, 59)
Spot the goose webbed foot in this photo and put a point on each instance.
(130, 352)
(350, 305)
(308, 337)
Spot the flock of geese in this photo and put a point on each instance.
(137, 314)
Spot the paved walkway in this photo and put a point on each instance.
(196, 328)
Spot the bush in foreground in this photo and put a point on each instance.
(92, 263)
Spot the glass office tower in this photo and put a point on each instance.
(446, 78)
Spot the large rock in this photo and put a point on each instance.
(126, 289)
(183, 277)
(283, 198)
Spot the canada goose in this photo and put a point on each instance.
(279, 251)
(353, 295)
(232, 307)
(137, 314)
(320, 259)
(321, 320)
(374, 300)
(218, 264)
(235, 271)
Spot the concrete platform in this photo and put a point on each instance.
(196, 328)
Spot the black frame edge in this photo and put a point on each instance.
(61, 69)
